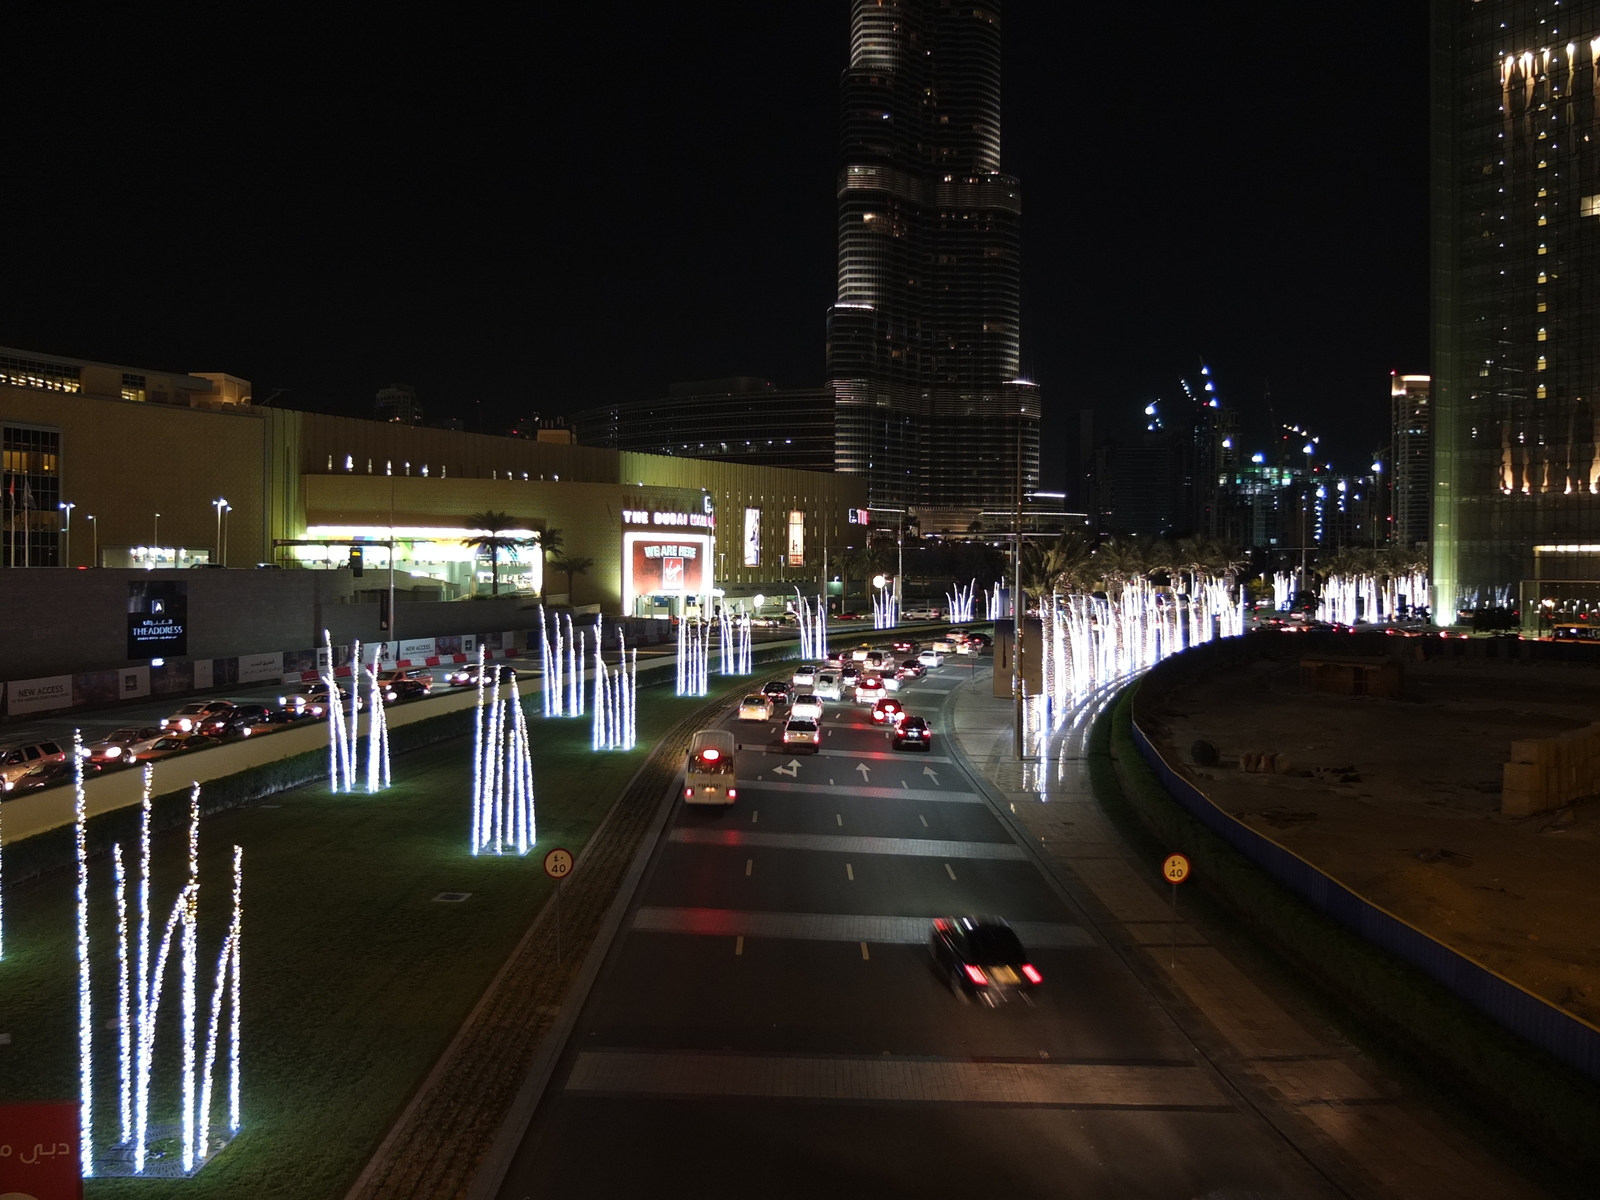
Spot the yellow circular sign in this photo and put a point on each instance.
(1176, 869)
(558, 863)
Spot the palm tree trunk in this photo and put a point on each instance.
(494, 570)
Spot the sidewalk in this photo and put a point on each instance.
(1357, 1128)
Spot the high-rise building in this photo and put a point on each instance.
(924, 340)
(1516, 301)
(398, 403)
(1411, 460)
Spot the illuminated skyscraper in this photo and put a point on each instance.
(1411, 459)
(924, 341)
(1516, 297)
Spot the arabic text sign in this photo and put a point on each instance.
(39, 1151)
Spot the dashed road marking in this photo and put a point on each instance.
(738, 945)
(849, 872)
(749, 865)
(949, 870)
(864, 953)
(924, 820)
(838, 819)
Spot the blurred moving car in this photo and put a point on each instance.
(406, 679)
(849, 675)
(888, 711)
(169, 744)
(828, 687)
(313, 701)
(903, 646)
(270, 721)
(913, 668)
(798, 731)
(468, 676)
(869, 688)
(236, 719)
(982, 957)
(189, 718)
(397, 690)
(931, 658)
(919, 614)
(804, 675)
(913, 734)
(859, 654)
(777, 690)
(54, 770)
(807, 706)
(755, 707)
(112, 750)
(19, 760)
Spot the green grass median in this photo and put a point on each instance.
(355, 976)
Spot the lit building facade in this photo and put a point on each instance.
(1516, 296)
(924, 340)
(1411, 460)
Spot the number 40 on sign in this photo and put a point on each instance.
(1175, 869)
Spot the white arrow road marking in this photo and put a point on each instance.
(928, 771)
(791, 770)
(865, 771)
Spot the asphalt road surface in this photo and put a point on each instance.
(768, 1022)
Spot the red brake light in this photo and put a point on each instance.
(1032, 973)
(733, 793)
(688, 793)
(711, 754)
(976, 975)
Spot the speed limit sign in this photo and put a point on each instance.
(558, 863)
(1176, 869)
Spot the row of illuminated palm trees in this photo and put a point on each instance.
(499, 533)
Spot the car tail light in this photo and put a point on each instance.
(688, 793)
(1032, 973)
(733, 793)
(976, 975)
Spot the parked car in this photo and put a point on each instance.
(828, 687)
(468, 676)
(112, 750)
(913, 734)
(757, 706)
(982, 957)
(188, 718)
(54, 770)
(19, 760)
(807, 706)
(798, 731)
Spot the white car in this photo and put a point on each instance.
(827, 686)
(755, 707)
(807, 706)
(859, 654)
(931, 658)
(187, 719)
(798, 732)
(804, 675)
(919, 614)
(944, 645)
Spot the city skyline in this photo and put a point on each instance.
(407, 241)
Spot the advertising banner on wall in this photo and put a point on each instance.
(752, 537)
(666, 565)
(797, 539)
(39, 1151)
(260, 668)
(38, 695)
(158, 619)
(417, 650)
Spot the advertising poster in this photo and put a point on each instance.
(158, 619)
(260, 668)
(39, 695)
(797, 539)
(39, 1151)
(752, 537)
(667, 566)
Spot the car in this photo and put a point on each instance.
(877, 659)
(798, 731)
(19, 760)
(904, 647)
(807, 706)
(919, 614)
(870, 688)
(859, 654)
(272, 720)
(420, 676)
(314, 700)
(828, 687)
(169, 744)
(833, 663)
(888, 711)
(982, 957)
(54, 770)
(468, 676)
(982, 640)
(112, 750)
(944, 645)
(804, 675)
(778, 691)
(237, 718)
(913, 668)
(913, 733)
(849, 675)
(931, 658)
(766, 622)
(188, 718)
(893, 683)
(755, 707)
(397, 690)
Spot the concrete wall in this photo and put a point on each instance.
(56, 621)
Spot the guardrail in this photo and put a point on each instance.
(1567, 1037)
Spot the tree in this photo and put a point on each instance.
(569, 567)
(550, 542)
(493, 539)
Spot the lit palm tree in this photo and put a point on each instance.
(550, 542)
(494, 539)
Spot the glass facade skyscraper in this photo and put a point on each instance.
(924, 341)
(1516, 303)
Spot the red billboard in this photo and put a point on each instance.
(668, 565)
(39, 1151)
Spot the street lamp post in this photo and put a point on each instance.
(95, 525)
(67, 506)
(220, 505)
(155, 541)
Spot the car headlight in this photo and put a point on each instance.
(113, 751)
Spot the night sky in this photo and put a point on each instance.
(603, 199)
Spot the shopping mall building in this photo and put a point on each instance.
(116, 466)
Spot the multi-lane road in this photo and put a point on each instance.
(767, 1021)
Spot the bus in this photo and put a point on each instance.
(708, 777)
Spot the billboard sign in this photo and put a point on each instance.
(38, 695)
(39, 1151)
(665, 565)
(797, 539)
(752, 537)
(158, 619)
(260, 668)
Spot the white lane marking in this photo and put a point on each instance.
(864, 953)
(905, 785)
(835, 927)
(754, 814)
(928, 771)
(738, 945)
(749, 865)
(865, 771)
(838, 818)
(791, 770)
(849, 872)
(948, 868)
(861, 792)
(923, 819)
(831, 783)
